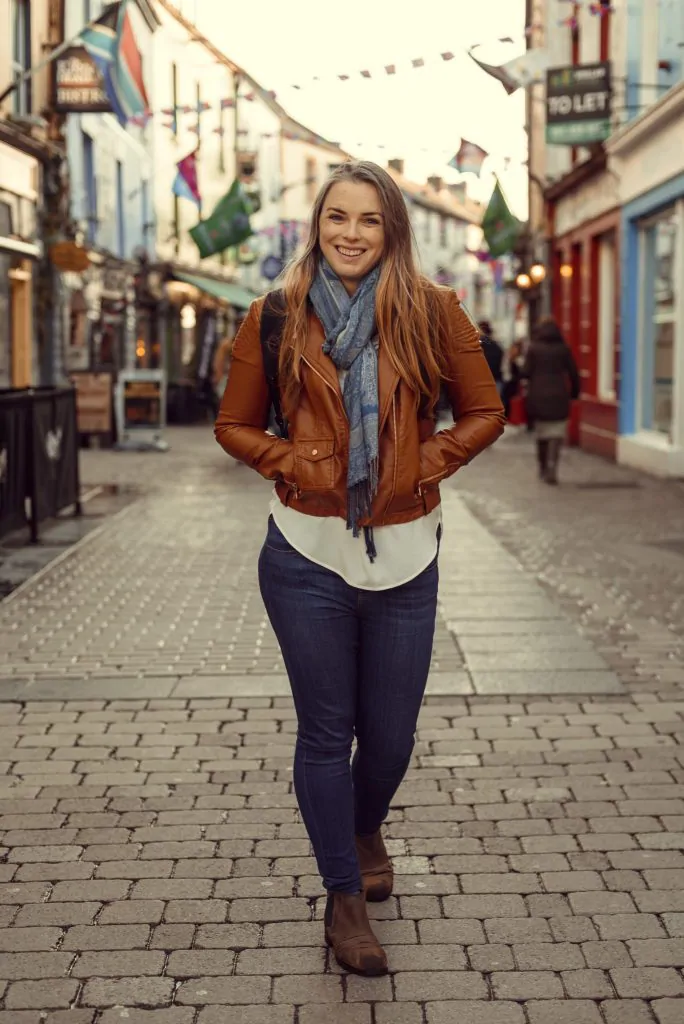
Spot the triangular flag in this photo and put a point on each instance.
(500, 228)
(469, 158)
(418, 63)
(186, 185)
(522, 71)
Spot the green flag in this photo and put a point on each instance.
(228, 225)
(500, 227)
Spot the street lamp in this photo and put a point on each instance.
(537, 272)
(523, 281)
(566, 270)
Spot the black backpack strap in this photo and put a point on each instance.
(271, 333)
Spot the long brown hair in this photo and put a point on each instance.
(409, 320)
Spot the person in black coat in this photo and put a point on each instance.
(492, 350)
(552, 382)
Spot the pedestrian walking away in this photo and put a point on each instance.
(493, 352)
(552, 381)
(361, 345)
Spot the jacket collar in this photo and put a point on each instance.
(388, 378)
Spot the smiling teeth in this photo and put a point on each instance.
(349, 252)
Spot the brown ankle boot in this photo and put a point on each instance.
(376, 868)
(348, 931)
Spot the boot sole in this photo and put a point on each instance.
(368, 972)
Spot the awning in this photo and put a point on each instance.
(234, 294)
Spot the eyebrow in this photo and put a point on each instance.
(368, 213)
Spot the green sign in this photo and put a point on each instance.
(578, 104)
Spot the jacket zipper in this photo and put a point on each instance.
(394, 476)
(327, 383)
(428, 480)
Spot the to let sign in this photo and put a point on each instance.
(578, 104)
(79, 88)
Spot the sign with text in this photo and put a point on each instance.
(578, 104)
(79, 88)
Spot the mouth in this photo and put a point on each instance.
(349, 254)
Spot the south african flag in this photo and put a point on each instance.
(111, 43)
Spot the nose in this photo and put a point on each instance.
(352, 233)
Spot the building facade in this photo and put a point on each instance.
(648, 155)
(111, 210)
(612, 218)
(26, 31)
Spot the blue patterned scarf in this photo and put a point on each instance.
(350, 341)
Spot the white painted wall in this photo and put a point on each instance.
(111, 143)
(593, 199)
(649, 151)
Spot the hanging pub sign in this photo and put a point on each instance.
(578, 104)
(79, 87)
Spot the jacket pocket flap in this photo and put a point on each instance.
(315, 451)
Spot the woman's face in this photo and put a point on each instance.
(351, 231)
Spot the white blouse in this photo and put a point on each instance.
(404, 550)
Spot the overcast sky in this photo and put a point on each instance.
(418, 114)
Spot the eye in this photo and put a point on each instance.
(373, 221)
(336, 216)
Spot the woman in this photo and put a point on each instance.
(348, 571)
(552, 380)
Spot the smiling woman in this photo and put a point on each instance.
(351, 231)
(348, 571)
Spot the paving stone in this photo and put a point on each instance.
(465, 1013)
(587, 984)
(446, 985)
(133, 991)
(357, 1014)
(574, 1012)
(173, 1015)
(29, 939)
(41, 995)
(627, 1011)
(521, 985)
(647, 982)
(100, 937)
(31, 966)
(305, 989)
(231, 991)
(657, 952)
(250, 1015)
(668, 1011)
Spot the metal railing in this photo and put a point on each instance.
(39, 471)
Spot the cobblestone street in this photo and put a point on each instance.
(153, 865)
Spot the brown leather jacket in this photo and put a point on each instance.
(310, 469)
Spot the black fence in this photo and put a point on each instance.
(39, 475)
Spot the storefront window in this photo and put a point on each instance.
(5, 322)
(659, 317)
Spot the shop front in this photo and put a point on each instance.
(20, 177)
(650, 157)
(201, 312)
(585, 295)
